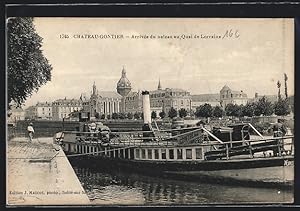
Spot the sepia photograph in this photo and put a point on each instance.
(149, 111)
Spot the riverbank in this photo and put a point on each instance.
(39, 173)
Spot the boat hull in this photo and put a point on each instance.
(265, 172)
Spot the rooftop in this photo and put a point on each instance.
(206, 98)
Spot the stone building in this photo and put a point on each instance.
(201, 99)
(160, 100)
(228, 96)
(124, 88)
(61, 108)
(105, 102)
(42, 110)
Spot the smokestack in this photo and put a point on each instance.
(146, 107)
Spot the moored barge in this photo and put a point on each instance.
(194, 153)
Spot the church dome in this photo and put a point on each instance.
(123, 85)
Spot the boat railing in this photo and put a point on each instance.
(190, 138)
(280, 146)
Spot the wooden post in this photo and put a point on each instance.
(250, 150)
(279, 149)
(227, 152)
(230, 137)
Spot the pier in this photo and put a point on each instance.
(39, 173)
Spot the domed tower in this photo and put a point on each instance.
(123, 87)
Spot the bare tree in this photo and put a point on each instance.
(285, 85)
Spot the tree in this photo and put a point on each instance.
(97, 115)
(162, 114)
(233, 110)
(27, 67)
(172, 113)
(153, 115)
(263, 107)
(137, 115)
(278, 86)
(129, 115)
(281, 107)
(285, 85)
(108, 116)
(218, 111)
(103, 116)
(122, 116)
(248, 110)
(182, 113)
(205, 110)
(114, 116)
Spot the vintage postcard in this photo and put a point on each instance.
(150, 111)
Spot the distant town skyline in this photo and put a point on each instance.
(253, 61)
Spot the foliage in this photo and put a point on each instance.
(281, 107)
(248, 110)
(262, 127)
(27, 67)
(278, 86)
(122, 116)
(263, 107)
(153, 115)
(114, 116)
(162, 114)
(205, 110)
(97, 115)
(137, 115)
(182, 113)
(108, 116)
(233, 110)
(218, 111)
(129, 115)
(103, 116)
(172, 113)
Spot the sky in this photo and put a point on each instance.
(252, 58)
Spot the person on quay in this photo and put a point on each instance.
(30, 131)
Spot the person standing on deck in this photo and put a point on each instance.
(279, 130)
(30, 131)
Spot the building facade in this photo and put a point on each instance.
(102, 103)
(160, 100)
(201, 99)
(228, 96)
(43, 110)
(61, 108)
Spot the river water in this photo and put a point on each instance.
(114, 187)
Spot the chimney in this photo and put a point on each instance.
(146, 107)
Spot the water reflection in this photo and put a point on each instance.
(115, 187)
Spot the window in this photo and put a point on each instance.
(163, 154)
(143, 153)
(137, 153)
(198, 153)
(181, 102)
(149, 153)
(188, 153)
(179, 153)
(171, 153)
(156, 154)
